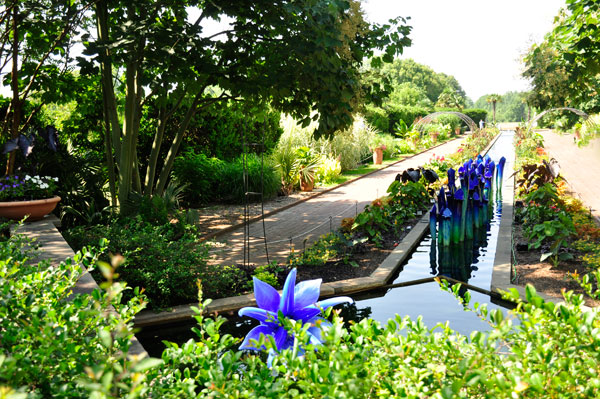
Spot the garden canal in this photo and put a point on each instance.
(471, 262)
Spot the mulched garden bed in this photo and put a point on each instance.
(543, 275)
(366, 257)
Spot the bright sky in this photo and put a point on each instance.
(479, 42)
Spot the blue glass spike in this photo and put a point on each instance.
(459, 195)
(447, 214)
(441, 199)
(451, 179)
(433, 222)
(481, 169)
(473, 181)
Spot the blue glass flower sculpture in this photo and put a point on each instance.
(297, 302)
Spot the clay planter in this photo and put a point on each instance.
(36, 209)
(307, 185)
(457, 131)
(577, 135)
(434, 136)
(378, 155)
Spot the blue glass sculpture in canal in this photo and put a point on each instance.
(297, 302)
(462, 210)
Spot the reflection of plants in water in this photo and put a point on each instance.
(458, 261)
(351, 312)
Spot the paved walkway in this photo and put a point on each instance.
(579, 165)
(302, 224)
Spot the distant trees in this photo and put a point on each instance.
(432, 83)
(509, 107)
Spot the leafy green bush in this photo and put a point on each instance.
(377, 117)
(476, 114)
(166, 261)
(51, 341)
(211, 179)
(200, 173)
(405, 147)
(328, 170)
(217, 130)
(231, 181)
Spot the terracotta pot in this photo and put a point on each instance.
(577, 135)
(36, 209)
(307, 185)
(378, 155)
(434, 135)
(457, 131)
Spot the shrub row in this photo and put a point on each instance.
(212, 179)
(387, 118)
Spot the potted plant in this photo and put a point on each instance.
(307, 162)
(22, 194)
(377, 147)
(27, 195)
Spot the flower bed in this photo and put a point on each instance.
(556, 240)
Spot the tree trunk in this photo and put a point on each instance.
(111, 120)
(16, 101)
(494, 108)
(170, 159)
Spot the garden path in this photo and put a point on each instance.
(305, 222)
(579, 165)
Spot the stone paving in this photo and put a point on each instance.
(54, 248)
(305, 222)
(580, 166)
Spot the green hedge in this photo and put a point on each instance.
(377, 117)
(217, 130)
(408, 114)
(386, 118)
(476, 114)
(212, 179)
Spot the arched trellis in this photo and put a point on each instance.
(429, 118)
(574, 110)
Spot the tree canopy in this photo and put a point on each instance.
(510, 107)
(299, 57)
(564, 69)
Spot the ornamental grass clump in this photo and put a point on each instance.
(27, 188)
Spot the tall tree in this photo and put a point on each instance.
(36, 38)
(299, 56)
(493, 99)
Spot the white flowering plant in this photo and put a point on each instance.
(26, 188)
